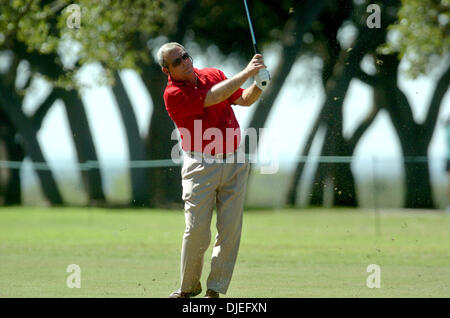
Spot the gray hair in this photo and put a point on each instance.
(166, 48)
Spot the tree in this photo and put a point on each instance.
(338, 71)
(10, 150)
(36, 31)
(131, 49)
(165, 186)
(136, 147)
(422, 42)
(11, 106)
(414, 137)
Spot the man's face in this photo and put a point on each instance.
(179, 65)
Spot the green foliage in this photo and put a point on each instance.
(26, 21)
(110, 32)
(423, 34)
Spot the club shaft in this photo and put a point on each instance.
(251, 27)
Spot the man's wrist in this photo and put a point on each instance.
(246, 74)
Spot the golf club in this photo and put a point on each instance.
(263, 73)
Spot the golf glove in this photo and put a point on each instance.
(262, 79)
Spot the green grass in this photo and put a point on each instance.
(284, 253)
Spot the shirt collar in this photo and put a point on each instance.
(200, 79)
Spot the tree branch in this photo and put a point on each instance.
(40, 113)
(362, 128)
(435, 104)
(28, 82)
(391, 96)
(367, 78)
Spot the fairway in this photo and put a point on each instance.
(284, 253)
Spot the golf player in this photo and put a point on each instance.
(197, 100)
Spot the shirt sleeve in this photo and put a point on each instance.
(235, 95)
(181, 103)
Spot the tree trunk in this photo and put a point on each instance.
(344, 186)
(319, 183)
(84, 144)
(291, 197)
(138, 176)
(13, 190)
(337, 175)
(337, 84)
(4, 171)
(165, 182)
(414, 138)
(46, 65)
(330, 57)
(418, 192)
(25, 128)
(336, 89)
(342, 180)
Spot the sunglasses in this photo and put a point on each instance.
(183, 57)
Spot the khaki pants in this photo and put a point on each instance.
(205, 186)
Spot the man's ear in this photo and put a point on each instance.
(165, 70)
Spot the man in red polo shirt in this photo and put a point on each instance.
(199, 102)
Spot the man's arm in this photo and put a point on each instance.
(249, 96)
(223, 90)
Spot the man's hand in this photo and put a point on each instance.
(257, 68)
(256, 64)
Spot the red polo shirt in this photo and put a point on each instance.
(203, 129)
